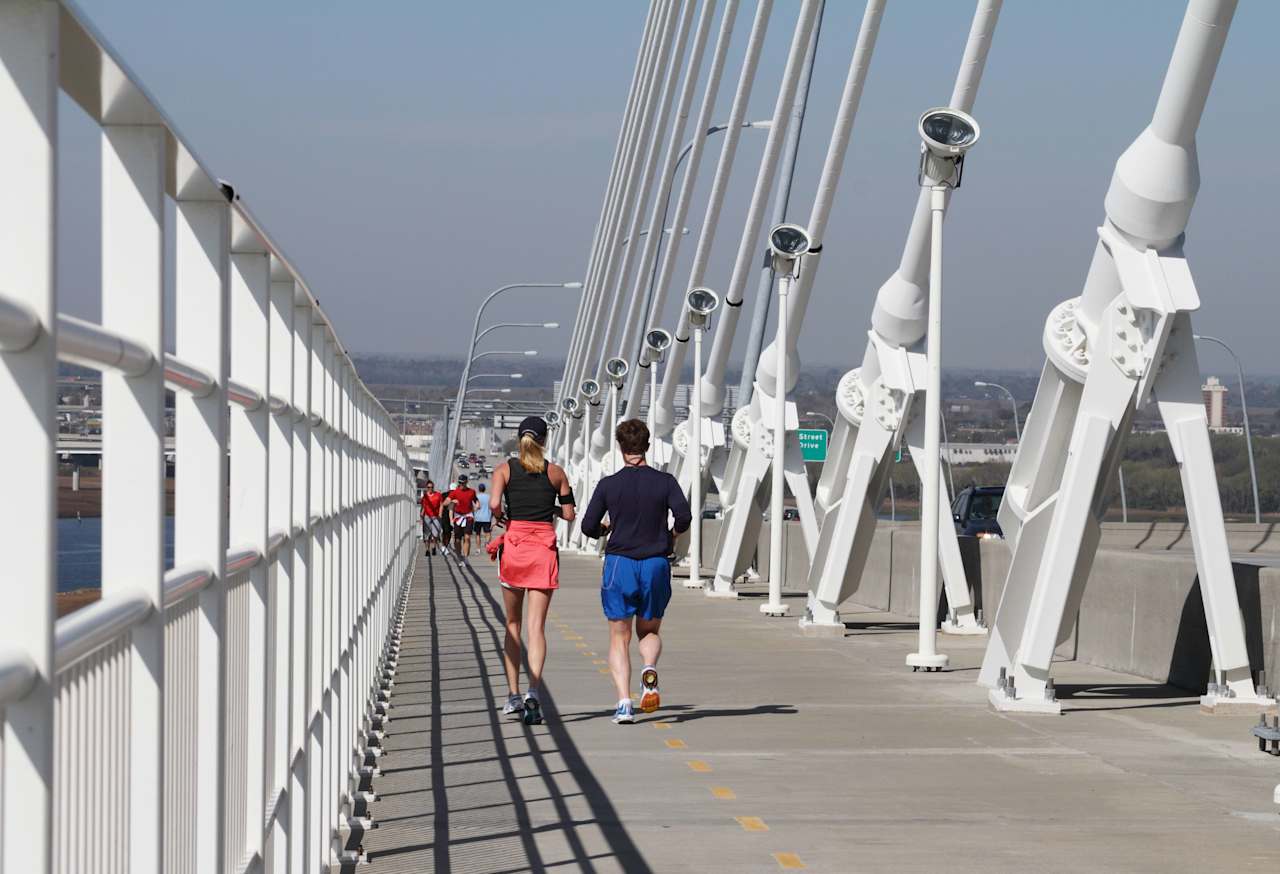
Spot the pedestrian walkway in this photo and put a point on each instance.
(777, 752)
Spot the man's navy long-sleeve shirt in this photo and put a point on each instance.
(637, 500)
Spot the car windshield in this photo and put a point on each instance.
(984, 506)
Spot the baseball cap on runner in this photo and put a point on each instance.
(534, 426)
(462, 480)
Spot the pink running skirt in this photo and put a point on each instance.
(529, 557)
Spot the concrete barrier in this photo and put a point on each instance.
(1141, 613)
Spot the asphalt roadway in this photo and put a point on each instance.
(777, 752)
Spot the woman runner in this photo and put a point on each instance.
(528, 561)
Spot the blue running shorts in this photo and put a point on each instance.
(635, 587)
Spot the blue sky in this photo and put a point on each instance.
(412, 156)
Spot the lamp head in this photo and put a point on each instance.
(569, 405)
(702, 302)
(590, 389)
(656, 344)
(551, 417)
(788, 243)
(617, 369)
(945, 136)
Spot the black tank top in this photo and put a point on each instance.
(530, 497)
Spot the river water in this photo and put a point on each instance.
(80, 552)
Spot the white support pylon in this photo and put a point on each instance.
(1125, 341)
(878, 403)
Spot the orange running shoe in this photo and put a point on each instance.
(650, 700)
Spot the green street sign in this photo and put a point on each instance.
(813, 444)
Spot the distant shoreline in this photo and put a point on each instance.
(87, 502)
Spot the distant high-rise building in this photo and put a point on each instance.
(1215, 397)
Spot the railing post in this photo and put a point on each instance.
(203, 273)
(317, 834)
(28, 168)
(284, 588)
(303, 699)
(250, 347)
(133, 426)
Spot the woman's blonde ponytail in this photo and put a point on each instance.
(531, 458)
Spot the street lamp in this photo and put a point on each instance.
(526, 352)
(549, 325)
(476, 376)
(475, 336)
(616, 370)
(591, 394)
(1017, 433)
(788, 243)
(945, 136)
(1244, 410)
(656, 344)
(702, 302)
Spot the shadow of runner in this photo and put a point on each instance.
(604, 816)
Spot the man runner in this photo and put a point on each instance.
(636, 585)
(462, 501)
(431, 501)
(483, 518)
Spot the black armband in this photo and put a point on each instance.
(566, 500)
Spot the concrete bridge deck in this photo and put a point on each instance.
(776, 752)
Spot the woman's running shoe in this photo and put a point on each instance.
(649, 698)
(532, 711)
(624, 715)
(514, 705)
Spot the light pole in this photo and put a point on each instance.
(591, 392)
(702, 302)
(1244, 410)
(476, 376)
(475, 336)
(616, 370)
(1017, 432)
(547, 325)
(946, 135)
(788, 244)
(656, 344)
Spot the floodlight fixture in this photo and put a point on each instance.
(590, 390)
(616, 369)
(945, 136)
(656, 344)
(569, 405)
(788, 243)
(551, 417)
(702, 302)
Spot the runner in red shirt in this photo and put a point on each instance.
(463, 502)
(431, 503)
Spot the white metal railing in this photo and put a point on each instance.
(212, 717)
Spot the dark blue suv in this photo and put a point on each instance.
(974, 511)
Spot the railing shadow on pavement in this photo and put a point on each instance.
(488, 824)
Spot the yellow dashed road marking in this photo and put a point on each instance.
(675, 743)
(604, 670)
(661, 725)
(724, 793)
(752, 823)
(589, 653)
(789, 861)
(597, 661)
(699, 766)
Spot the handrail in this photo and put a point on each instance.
(275, 540)
(19, 327)
(242, 558)
(178, 374)
(90, 345)
(239, 393)
(80, 634)
(17, 676)
(181, 583)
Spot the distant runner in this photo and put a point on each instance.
(462, 502)
(529, 562)
(636, 584)
(431, 501)
(483, 517)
